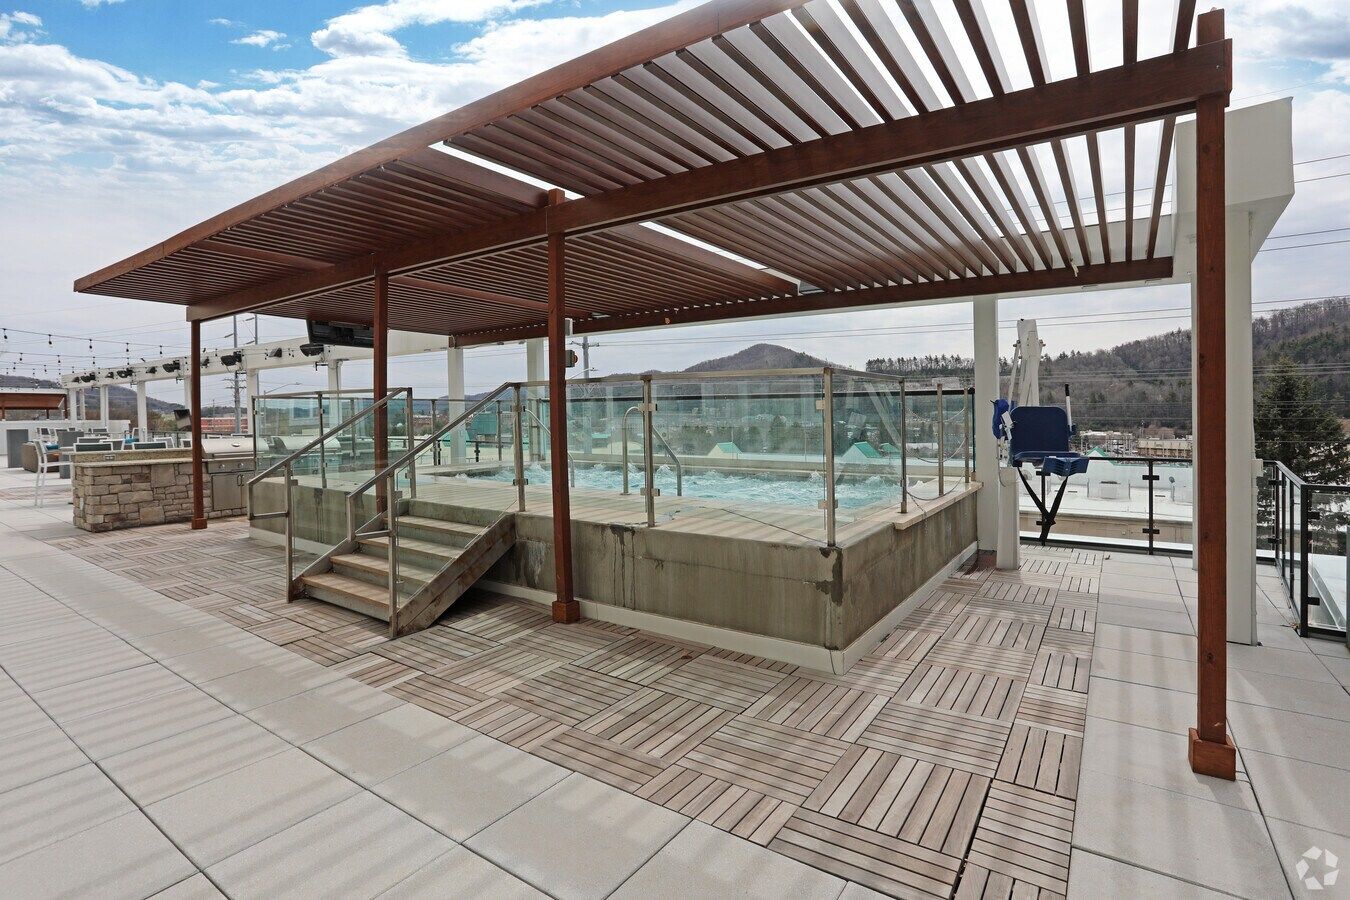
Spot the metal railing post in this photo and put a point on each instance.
(649, 470)
(1149, 481)
(623, 429)
(323, 456)
(941, 443)
(520, 449)
(393, 554)
(499, 431)
(290, 539)
(827, 418)
(412, 460)
(1305, 547)
(904, 451)
(965, 439)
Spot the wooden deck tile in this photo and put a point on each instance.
(322, 649)
(282, 631)
(994, 631)
(978, 883)
(434, 648)
(509, 723)
(603, 760)
(360, 636)
(487, 616)
(905, 643)
(875, 676)
(658, 724)
(772, 759)
(931, 805)
(639, 659)
(1067, 641)
(720, 682)
(1035, 613)
(496, 670)
(1025, 835)
(1057, 669)
(745, 813)
(959, 740)
(567, 643)
(929, 620)
(962, 690)
(1045, 761)
(1073, 618)
(245, 615)
(759, 662)
(982, 658)
(319, 615)
(1019, 592)
(944, 599)
(569, 694)
(869, 858)
(375, 670)
(437, 694)
(1083, 585)
(820, 708)
(1053, 708)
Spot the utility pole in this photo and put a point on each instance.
(234, 348)
(585, 356)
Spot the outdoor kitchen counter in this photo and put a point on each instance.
(131, 488)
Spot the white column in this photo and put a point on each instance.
(536, 360)
(1243, 468)
(454, 380)
(252, 390)
(72, 404)
(334, 375)
(103, 404)
(986, 448)
(142, 412)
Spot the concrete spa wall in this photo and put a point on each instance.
(824, 597)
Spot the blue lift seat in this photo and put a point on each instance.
(1040, 438)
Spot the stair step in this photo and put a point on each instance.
(428, 554)
(349, 593)
(455, 533)
(375, 569)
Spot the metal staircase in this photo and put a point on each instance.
(407, 563)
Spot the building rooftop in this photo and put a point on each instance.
(173, 722)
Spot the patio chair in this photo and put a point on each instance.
(44, 465)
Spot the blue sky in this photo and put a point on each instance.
(123, 122)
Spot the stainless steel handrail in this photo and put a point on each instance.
(670, 451)
(571, 461)
(324, 436)
(431, 439)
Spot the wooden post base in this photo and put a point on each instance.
(566, 611)
(1212, 758)
(198, 524)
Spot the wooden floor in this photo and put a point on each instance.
(945, 764)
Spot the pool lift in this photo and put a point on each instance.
(1030, 435)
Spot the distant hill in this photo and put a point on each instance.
(761, 356)
(1147, 382)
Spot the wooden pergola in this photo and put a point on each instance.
(869, 153)
(30, 400)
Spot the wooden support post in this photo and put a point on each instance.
(380, 379)
(565, 606)
(1211, 751)
(195, 417)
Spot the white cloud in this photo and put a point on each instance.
(369, 30)
(18, 26)
(1283, 28)
(91, 4)
(227, 23)
(264, 37)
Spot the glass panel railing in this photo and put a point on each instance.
(1328, 518)
(748, 447)
(1136, 502)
